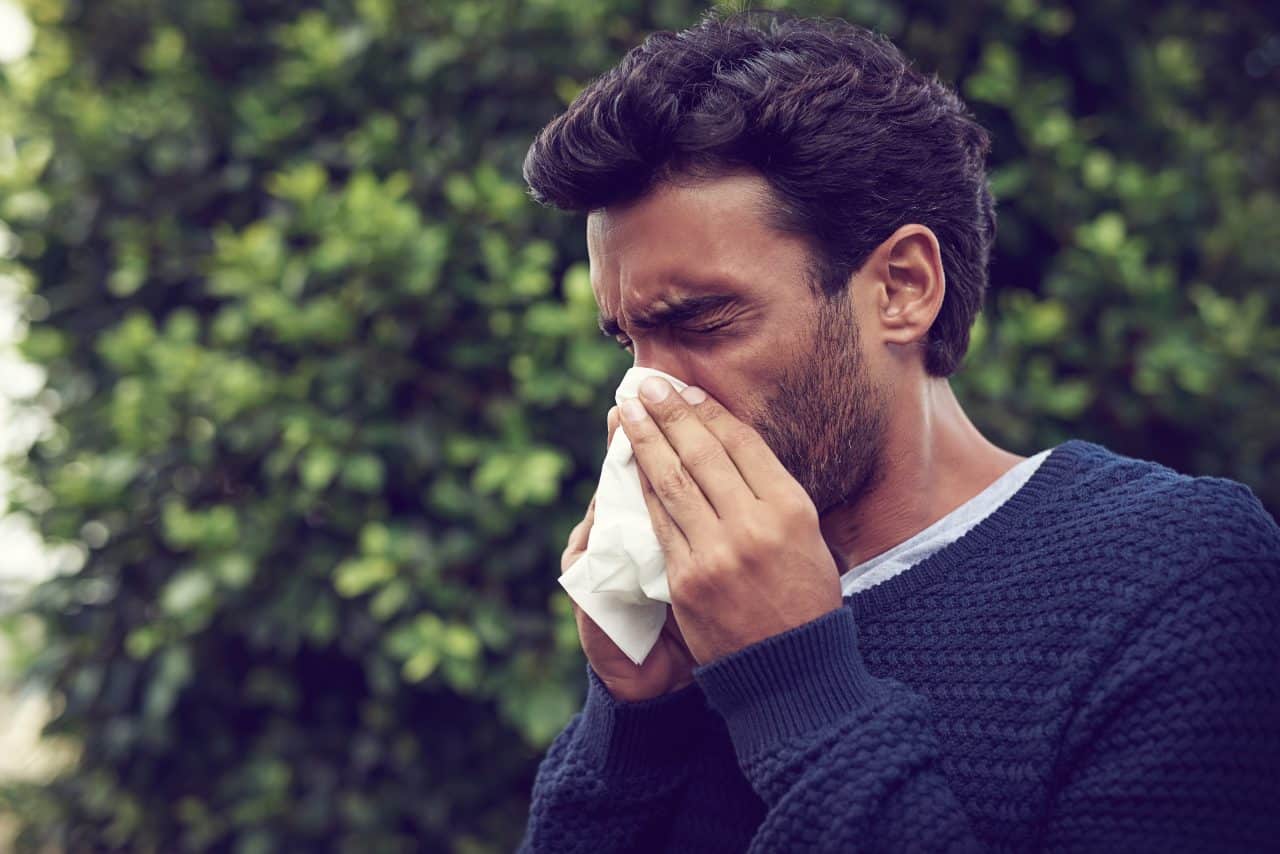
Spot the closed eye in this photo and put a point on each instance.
(624, 341)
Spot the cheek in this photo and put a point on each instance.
(742, 373)
(743, 379)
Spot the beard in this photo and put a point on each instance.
(826, 421)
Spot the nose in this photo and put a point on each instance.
(668, 363)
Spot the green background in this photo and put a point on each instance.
(329, 396)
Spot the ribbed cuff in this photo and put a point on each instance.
(649, 736)
(792, 683)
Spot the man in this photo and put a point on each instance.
(886, 632)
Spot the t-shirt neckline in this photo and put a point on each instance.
(1019, 473)
(889, 593)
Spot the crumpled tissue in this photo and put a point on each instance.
(620, 581)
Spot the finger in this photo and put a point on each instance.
(612, 420)
(578, 537)
(575, 548)
(755, 461)
(678, 492)
(675, 546)
(701, 452)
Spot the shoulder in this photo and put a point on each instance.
(1141, 498)
(1142, 504)
(1157, 554)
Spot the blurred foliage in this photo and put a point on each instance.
(324, 379)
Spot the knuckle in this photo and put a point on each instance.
(639, 436)
(707, 568)
(711, 412)
(738, 437)
(704, 454)
(721, 560)
(798, 507)
(683, 598)
(764, 537)
(672, 482)
(696, 584)
(672, 412)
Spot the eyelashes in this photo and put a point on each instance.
(625, 342)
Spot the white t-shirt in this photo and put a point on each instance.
(946, 530)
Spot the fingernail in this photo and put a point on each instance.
(693, 395)
(633, 410)
(655, 389)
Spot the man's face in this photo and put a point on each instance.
(707, 292)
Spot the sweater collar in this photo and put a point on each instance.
(1063, 460)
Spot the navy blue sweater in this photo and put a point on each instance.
(1094, 667)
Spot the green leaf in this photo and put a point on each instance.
(360, 575)
(187, 591)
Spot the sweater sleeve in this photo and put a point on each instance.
(843, 760)
(1173, 747)
(611, 779)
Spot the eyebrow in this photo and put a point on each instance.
(673, 310)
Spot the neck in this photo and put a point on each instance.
(933, 460)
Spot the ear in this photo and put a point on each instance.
(912, 284)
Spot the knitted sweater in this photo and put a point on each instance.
(1094, 667)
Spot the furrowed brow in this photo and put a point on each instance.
(674, 310)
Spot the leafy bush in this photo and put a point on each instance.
(328, 394)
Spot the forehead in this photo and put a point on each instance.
(680, 239)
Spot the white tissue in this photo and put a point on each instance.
(620, 581)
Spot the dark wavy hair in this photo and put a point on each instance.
(852, 140)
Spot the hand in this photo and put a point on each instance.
(669, 665)
(745, 557)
